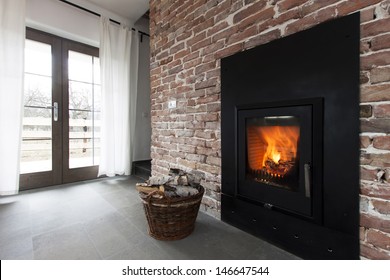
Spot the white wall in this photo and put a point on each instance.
(60, 19)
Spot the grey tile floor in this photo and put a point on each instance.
(104, 219)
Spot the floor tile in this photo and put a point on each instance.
(105, 219)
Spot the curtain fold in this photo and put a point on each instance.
(119, 74)
(12, 37)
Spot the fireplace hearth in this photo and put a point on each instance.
(290, 141)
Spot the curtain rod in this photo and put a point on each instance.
(99, 15)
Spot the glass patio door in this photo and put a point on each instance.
(60, 138)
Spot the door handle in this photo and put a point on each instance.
(307, 171)
(55, 110)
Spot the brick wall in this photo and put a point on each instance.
(188, 38)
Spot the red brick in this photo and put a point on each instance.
(262, 39)
(264, 15)
(347, 7)
(221, 7)
(382, 142)
(192, 63)
(380, 42)
(203, 25)
(205, 84)
(379, 190)
(311, 20)
(313, 6)
(215, 73)
(380, 75)
(362, 233)
(288, 4)
(213, 160)
(376, 59)
(374, 28)
(281, 18)
(250, 10)
(373, 253)
(379, 239)
(213, 125)
(207, 117)
(196, 109)
(214, 107)
(365, 141)
(367, 15)
(196, 158)
(375, 222)
(364, 79)
(196, 39)
(229, 51)
(368, 174)
(187, 163)
(378, 159)
(196, 142)
(382, 111)
(375, 93)
(208, 99)
(205, 134)
(381, 206)
(225, 34)
(209, 168)
(195, 125)
(204, 67)
(206, 151)
(375, 125)
(241, 36)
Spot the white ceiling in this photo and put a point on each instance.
(129, 9)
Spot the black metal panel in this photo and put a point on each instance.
(322, 62)
(300, 237)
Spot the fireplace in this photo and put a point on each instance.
(277, 150)
(290, 140)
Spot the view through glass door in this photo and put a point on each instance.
(61, 125)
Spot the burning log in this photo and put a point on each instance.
(281, 168)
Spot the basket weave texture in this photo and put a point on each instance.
(172, 218)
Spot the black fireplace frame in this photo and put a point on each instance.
(320, 63)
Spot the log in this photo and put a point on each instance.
(145, 189)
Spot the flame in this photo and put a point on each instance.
(275, 143)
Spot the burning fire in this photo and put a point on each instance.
(272, 147)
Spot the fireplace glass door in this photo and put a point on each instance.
(272, 151)
(275, 156)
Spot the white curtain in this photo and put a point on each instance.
(119, 48)
(12, 36)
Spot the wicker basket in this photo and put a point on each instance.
(171, 218)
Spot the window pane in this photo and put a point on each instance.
(80, 139)
(80, 67)
(37, 58)
(80, 96)
(37, 90)
(84, 110)
(36, 149)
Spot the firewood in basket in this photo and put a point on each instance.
(146, 189)
(184, 191)
(183, 180)
(158, 180)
